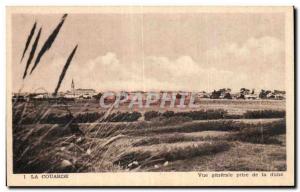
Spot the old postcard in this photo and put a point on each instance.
(150, 96)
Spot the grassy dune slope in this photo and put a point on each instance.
(222, 144)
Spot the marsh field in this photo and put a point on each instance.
(79, 136)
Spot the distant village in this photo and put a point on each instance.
(224, 93)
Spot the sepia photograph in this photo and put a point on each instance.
(150, 96)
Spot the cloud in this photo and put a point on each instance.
(257, 63)
(260, 61)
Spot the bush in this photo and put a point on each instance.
(194, 115)
(261, 133)
(85, 117)
(187, 127)
(148, 157)
(176, 138)
(123, 117)
(216, 114)
(53, 118)
(233, 116)
(88, 117)
(168, 114)
(151, 114)
(161, 121)
(202, 149)
(264, 114)
(204, 115)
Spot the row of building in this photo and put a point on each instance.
(224, 93)
(92, 94)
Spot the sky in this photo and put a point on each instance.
(155, 51)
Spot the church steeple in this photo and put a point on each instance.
(73, 87)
